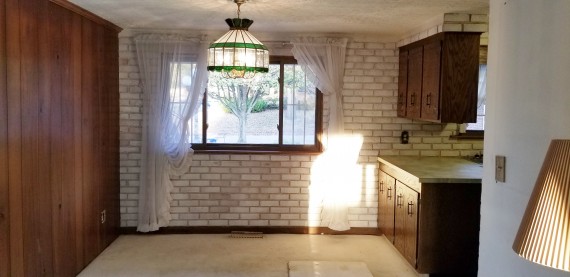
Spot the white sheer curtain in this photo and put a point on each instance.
(332, 172)
(325, 57)
(173, 73)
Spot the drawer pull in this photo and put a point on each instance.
(428, 99)
(410, 208)
(413, 100)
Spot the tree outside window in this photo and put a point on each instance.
(262, 113)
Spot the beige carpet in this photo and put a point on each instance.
(222, 256)
(328, 269)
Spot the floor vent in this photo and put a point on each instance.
(246, 235)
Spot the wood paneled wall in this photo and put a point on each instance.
(59, 137)
(4, 227)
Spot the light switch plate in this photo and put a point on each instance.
(500, 163)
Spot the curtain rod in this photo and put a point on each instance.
(282, 42)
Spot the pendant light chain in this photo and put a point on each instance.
(239, 10)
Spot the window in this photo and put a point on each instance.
(482, 92)
(260, 114)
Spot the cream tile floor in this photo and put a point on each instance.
(221, 256)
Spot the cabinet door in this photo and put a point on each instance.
(431, 81)
(411, 225)
(402, 83)
(386, 205)
(400, 219)
(414, 91)
(406, 222)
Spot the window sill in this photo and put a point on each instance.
(257, 152)
(255, 149)
(469, 135)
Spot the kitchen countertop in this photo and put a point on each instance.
(433, 169)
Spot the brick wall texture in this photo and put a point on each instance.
(453, 22)
(275, 190)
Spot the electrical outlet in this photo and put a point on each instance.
(500, 164)
(404, 137)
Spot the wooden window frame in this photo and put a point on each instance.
(235, 148)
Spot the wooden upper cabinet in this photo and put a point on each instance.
(402, 83)
(431, 81)
(441, 78)
(414, 90)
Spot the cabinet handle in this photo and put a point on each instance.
(381, 187)
(412, 101)
(389, 193)
(428, 99)
(399, 201)
(410, 208)
(400, 100)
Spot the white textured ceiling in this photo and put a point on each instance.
(387, 17)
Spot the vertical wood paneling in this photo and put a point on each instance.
(55, 71)
(77, 168)
(62, 157)
(70, 56)
(99, 149)
(102, 126)
(109, 119)
(47, 159)
(58, 138)
(13, 85)
(90, 217)
(113, 192)
(4, 215)
(36, 246)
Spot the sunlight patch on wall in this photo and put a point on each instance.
(370, 194)
(336, 181)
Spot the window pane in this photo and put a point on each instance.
(195, 126)
(244, 111)
(482, 92)
(180, 83)
(299, 105)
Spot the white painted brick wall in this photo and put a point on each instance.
(453, 22)
(274, 190)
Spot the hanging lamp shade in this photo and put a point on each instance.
(238, 54)
(544, 233)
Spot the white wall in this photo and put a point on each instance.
(528, 105)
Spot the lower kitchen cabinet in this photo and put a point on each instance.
(406, 222)
(433, 222)
(386, 196)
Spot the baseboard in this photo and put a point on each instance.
(265, 230)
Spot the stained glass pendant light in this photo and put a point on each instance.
(238, 54)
